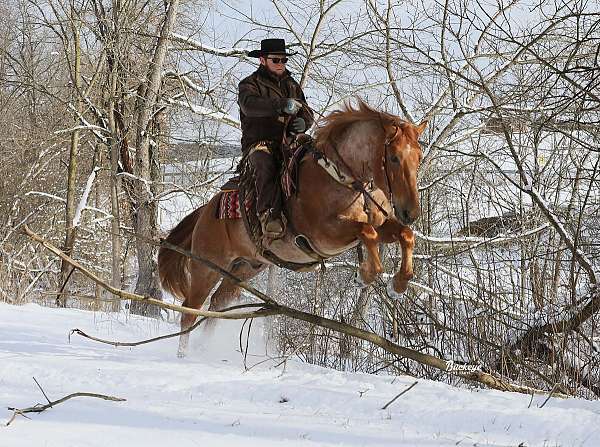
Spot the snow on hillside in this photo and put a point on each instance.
(208, 399)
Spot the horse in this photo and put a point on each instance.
(365, 192)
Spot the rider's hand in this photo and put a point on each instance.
(298, 125)
(290, 106)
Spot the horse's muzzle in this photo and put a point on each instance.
(407, 217)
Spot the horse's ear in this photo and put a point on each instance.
(421, 127)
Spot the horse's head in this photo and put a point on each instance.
(394, 154)
(399, 158)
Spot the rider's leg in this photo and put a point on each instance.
(268, 197)
(265, 173)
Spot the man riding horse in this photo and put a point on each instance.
(267, 99)
(358, 183)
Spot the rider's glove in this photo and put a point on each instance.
(290, 106)
(298, 125)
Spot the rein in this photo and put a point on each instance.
(386, 145)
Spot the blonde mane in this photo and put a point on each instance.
(333, 125)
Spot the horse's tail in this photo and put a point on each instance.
(172, 265)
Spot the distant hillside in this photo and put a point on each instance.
(182, 152)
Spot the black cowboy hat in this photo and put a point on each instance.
(270, 46)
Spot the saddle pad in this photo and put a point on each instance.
(229, 205)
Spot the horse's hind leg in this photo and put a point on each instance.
(203, 279)
(228, 291)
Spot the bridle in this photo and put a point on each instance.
(386, 146)
(359, 185)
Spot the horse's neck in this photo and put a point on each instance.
(355, 148)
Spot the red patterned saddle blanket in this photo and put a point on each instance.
(229, 202)
(229, 205)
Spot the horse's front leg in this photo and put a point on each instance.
(394, 231)
(371, 266)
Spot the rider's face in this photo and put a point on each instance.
(269, 63)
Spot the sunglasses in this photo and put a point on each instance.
(278, 60)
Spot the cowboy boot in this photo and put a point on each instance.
(272, 226)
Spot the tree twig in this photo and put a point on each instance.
(549, 395)
(38, 408)
(161, 337)
(41, 389)
(399, 394)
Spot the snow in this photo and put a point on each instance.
(84, 197)
(210, 399)
(204, 111)
(226, 52)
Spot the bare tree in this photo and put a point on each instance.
(506, 259)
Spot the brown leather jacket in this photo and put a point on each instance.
(261, 96)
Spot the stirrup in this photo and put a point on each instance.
(272, 227)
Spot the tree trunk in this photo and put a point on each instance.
(146, 216)
(113, 54)
(70, 230)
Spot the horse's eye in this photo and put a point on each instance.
(395, 159)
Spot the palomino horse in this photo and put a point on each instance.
(374, 150)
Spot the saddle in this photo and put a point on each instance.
(241, 189)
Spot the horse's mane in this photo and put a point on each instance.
(334, 124)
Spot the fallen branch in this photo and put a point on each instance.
(38, 408)
(124, 295)
(271, 307)
(161, 337)
(135, 343)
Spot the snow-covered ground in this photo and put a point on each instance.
(208, 399)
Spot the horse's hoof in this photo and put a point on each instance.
(358, 281)
(392, 292)
(180, 354)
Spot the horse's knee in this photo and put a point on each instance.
(407, 237)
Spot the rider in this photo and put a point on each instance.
(265, 98)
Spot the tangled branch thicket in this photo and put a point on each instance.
(506, 258)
